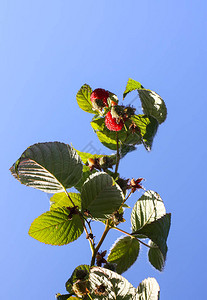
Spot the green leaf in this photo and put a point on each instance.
(98, 124)
(132, 85)
(148, 128)
(148, 289)
(147, 209)
(116, 286)
(156, 257)
(83, 98)
(124, 253)
(50, 167)
(101, 196)
(153, 105)
(54, 227)
(62, 200)
(157, 231)
(80, 273)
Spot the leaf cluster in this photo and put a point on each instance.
(101, 196)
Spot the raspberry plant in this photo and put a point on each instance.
(101, 196)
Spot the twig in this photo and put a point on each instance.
(132, 237)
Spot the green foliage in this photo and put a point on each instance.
(152, 104)
(54, 167)
(148, 127)
(50, 167)
(62, 200)
(56, 228)
(124, 253)
(83, 98)
(132, 85)
(101, 196)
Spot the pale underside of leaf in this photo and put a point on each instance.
(116, 286)
(147, 209)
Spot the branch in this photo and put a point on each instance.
(132, 237)
(107, 228)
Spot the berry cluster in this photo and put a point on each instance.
(116, 115)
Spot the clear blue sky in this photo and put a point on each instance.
(48, 49)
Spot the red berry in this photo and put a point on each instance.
(112, 124)
(100, 94)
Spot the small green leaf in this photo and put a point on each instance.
(147, 209)
(148, 289)
(148, 128)
(115, 286)
(132, 85)
(62, 200)
(50, 167)
(124, 253)
(80, 273)
(55, 228)
(156, 257)
(101, 196)
(153, 105)
(83, 98)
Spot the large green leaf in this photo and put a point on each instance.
(132, 85)
(101, 196)
(62, 200)
(124, 253)
(148, 127)
(50, 167)
(83, 98)
(153, 105)
(157, 231)
(148, 289)
(56, 228)
(156, 258)
(114, 285)
(147, 209)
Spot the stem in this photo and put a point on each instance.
(69, 198)
(107, 228)
(132, 237)
(91, 242)
(117, 154)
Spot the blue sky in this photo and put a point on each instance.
(48, 49)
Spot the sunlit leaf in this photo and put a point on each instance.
(101, 196)
(83, 98)
(124, 253)
(55, 228)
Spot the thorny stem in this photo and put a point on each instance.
(107, 228)
(132, 237)
(117, 154)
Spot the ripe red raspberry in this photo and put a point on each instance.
(100, 94)
(112, 124)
